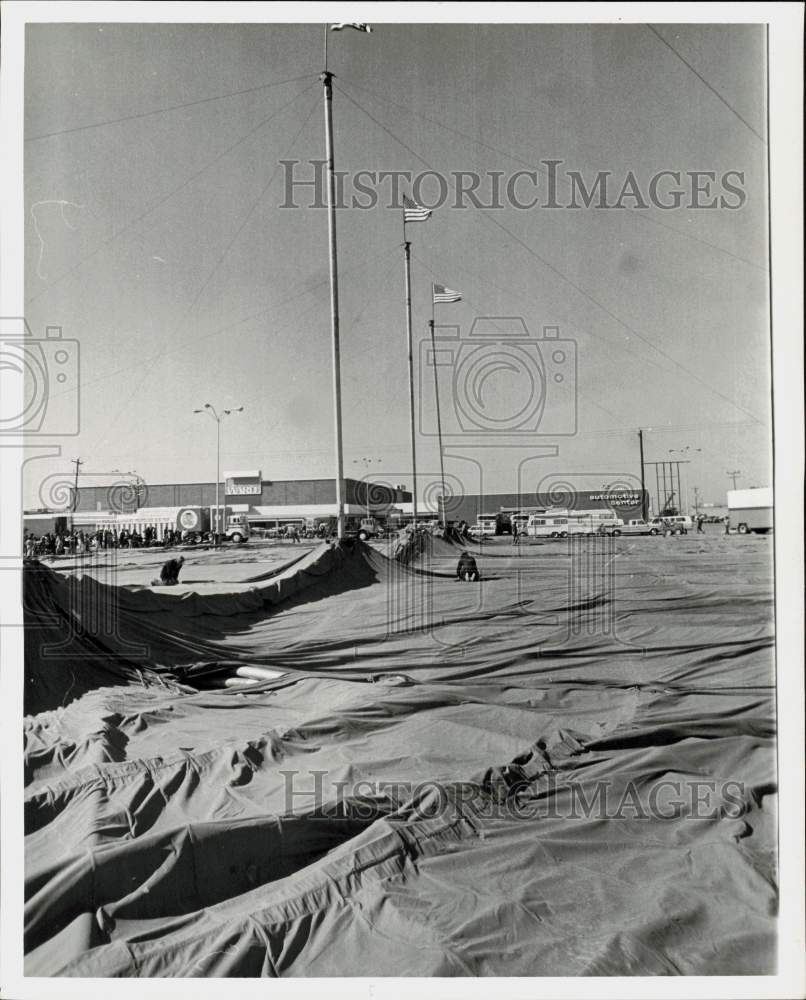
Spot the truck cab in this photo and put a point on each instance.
(366, 528)
(236, 528)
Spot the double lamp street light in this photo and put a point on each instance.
(209, 408)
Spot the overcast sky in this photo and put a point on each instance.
(159, 243)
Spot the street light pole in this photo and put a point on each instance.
(209, 408)
(366, 462)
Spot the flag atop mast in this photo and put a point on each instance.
(441, 293)
(352, 24)
(412, 212)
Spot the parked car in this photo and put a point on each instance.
(634, 527)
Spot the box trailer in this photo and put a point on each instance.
(751, 510)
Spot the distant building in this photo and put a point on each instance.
(263, 501)
(625, 504)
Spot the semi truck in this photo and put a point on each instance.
(197, 522)
(751, 510)
(192, 523)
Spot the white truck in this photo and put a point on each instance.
(195, 523)
(751, 510)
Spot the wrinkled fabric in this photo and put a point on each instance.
(448, 779)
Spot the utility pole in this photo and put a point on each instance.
(644, 511)
(77, 463)
(696, 500)
(734, 476)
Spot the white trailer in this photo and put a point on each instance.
(751, 510)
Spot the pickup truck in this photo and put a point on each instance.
(634, 527)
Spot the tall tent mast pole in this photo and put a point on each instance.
(327, 82)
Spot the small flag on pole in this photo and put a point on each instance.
(444, 294)
(352, 24)
(412, 212)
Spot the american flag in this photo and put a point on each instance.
(444, 294)
(352, 24)
(412, 212)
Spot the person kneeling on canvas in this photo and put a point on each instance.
(169, 574)
(466, 568)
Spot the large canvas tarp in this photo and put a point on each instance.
(567, 769)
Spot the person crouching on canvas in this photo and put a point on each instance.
(467, 569)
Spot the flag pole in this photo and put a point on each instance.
(436, 396)
(407, 272)
(327, 82)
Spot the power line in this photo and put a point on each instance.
(635, 212)
(702, 79)
(218, 262)
(161, 201)
(470, 302)
(261, 395)
(172, 107)
(620, 347)
(563, 277)
(197, 338)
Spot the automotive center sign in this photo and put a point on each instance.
(243, 484)
(618, 499)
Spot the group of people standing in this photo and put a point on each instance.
(79, 542)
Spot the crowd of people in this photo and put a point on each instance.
(78, 542)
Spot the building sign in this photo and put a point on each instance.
(618, 499)
(243, 489)
(243, 484)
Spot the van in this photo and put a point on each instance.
(485, 525)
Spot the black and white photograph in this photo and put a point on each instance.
(401, 439)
